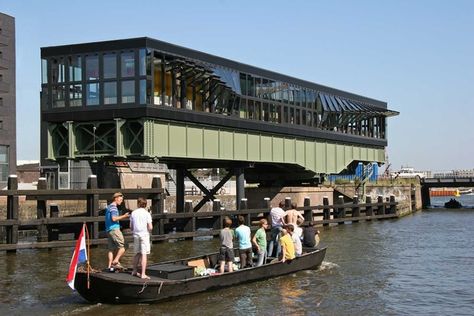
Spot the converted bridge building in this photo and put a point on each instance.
(142, 99)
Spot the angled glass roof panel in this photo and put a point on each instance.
(229, 77)
(329, 103)
(335, 104)
(323, 102)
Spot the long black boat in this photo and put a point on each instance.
(176, 278)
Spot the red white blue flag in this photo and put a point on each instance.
(79, 256)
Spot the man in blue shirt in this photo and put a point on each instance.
(116, 242)
(245, 246)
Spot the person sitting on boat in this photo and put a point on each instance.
(310, 236)
(226, 251)
(141, 226)
(287, 246)
(296, 240)
(277, 215)
(242, 233)
(116, 242)
(260, 242)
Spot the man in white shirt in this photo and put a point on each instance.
(277, 215)
(141, 226)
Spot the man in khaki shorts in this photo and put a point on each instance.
(141, 225)
(116, 242)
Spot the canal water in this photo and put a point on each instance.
(421, 264)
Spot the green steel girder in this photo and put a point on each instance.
(171, 141)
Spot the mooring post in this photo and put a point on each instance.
(393, 205)
(93, 206)
(190, 225)
(369, 211)
(12, 211)
(341, 211)
(266, 203)
(53, 231)
(326, 210)
(355, 208)
(43, 231)
(157, 206)
(381, 207)
(216, 205)
(287, 202)
(243, 208)
(308, 213)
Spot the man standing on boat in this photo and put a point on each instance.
(245, 246)
(116, 242)
(141, 226)
(276, 216)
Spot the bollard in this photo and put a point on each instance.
(216, 205)
(157, 206)
(368, 209)
(190, 224)
(326, 211)
(53, 231)
(287, 202)
(12, 211)
(41, 212)
(308, 213)
(355, 208)
(381, 207)
(341, 211)
(243, 204)
(393, 205)
(93, 206)
(266, 203)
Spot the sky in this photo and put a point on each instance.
(418, 56)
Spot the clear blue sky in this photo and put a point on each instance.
(416, 55)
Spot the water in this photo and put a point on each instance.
(421, 264)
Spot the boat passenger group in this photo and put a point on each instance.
(286, 242)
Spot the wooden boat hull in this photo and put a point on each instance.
(122, 288)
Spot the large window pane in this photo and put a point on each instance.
(58, 70)
(75, 68)
(92, 94)
(75, 95)
(128, 64)
(110, 66)
(143, 92)
(92, 68)
(58, 96)
(128, 91)
(110, 93)
(142, 62)
(44, 71)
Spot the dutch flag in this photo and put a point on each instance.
(79, 256)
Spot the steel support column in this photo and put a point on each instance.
(180, 189)
(239, 182)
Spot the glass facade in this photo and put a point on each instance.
(150, 77)
(4, 163)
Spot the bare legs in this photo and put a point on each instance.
(140, 259)
(112, 260)
(229, 267)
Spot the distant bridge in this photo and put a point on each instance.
(442, 182)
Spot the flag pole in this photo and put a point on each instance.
(88, 242)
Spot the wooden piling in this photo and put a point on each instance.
(41, 212)
(355, 207)
(93, 206)
(53, 231)
(326, 210)
(393, 205)
(157, 206)
(287, 202)
(368, 209)
(266, 203)
(190, 224)
(308, 213)
(12, 210)
(340, 210)
(243, 204)
(381, 207)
